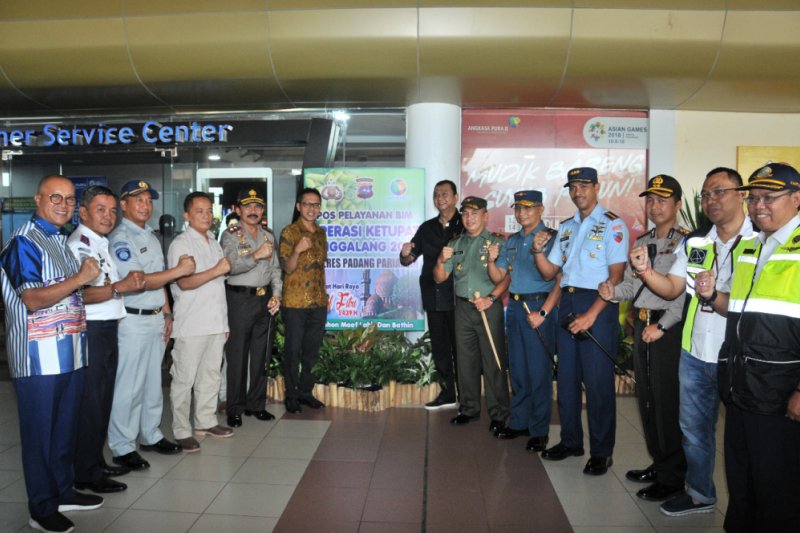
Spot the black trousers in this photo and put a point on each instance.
(762, 466)
(98, 394)
(304, 329)
(657, 392)
(248, 350)
(442, 327)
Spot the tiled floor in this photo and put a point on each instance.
(335, 470)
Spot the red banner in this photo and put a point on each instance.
(504, 151)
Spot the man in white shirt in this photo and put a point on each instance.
(200, 327)
(104, 308)
(703, 331)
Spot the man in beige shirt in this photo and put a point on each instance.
(201, 326)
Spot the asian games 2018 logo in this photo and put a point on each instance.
(597, 130)
(513, 121)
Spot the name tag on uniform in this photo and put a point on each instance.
(143, 250)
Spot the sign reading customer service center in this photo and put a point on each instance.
(151, 132)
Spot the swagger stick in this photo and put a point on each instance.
(547, 349)
(477, 295)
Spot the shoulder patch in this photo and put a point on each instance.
(610, 215)
(123, 254)
(85, 239)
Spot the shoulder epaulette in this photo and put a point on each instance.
(650, 233)
(611, 215)
(682, 231)
(552, 231)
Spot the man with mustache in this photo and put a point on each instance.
(253, 293)
(104, 308)
(591, 248)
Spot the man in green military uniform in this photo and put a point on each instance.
(480, 332)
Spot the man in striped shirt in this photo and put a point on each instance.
(46, 344)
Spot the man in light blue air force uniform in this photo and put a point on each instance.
(590, 248)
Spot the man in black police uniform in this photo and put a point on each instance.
(437, 298)
(253, 292)
(657, 345)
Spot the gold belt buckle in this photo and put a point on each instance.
(261, 291)
(516, 297)
(570, 290)
(644, 314)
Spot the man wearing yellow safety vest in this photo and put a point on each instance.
(759, 364)
(703, 331)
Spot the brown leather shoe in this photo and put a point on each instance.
(189, 444)
(218, 432)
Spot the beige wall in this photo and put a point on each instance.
(704, 140)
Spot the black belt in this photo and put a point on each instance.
(577, 290)
(134, 311)
(257, 291)
(532, 296)
(648, 315)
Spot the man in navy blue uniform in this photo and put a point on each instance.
(531, 307)
(590, 248)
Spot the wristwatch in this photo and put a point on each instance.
(542, 313)
(661, 328)
(492, 297)
(115, 294)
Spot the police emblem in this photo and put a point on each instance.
(123, 254)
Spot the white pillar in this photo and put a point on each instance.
(433, 142)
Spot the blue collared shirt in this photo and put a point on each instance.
(584, 249)
(52, 340)
(515, 257)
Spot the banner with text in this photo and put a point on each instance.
(504, 151)
(368, 213)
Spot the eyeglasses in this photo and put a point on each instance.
(716, 194)
(314, 205)
(768, 199)
(56, 199)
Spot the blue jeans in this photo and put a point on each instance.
(698, 418)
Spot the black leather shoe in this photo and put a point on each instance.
(658, 492)
(496, 425)
(104, 485)
(114, 471)
(597, 466)
(311, 402)
(648, 475)
(131, 460)
(461, 419)
(507, 433)
(164, 447)
(234, 421)
(560, 452)
(537, 444)
(293, 406)
(261, 415)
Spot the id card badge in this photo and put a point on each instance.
(705, 308)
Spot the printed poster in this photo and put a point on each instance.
(368, 213)
(504, 151)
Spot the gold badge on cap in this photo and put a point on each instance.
(764, 172)
(658, 181)
(143, 184)
(252, 193)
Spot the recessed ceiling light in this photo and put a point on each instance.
(214, 157)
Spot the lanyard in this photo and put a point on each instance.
(728, 256)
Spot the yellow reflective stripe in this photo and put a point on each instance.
(766, 306)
